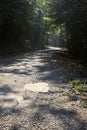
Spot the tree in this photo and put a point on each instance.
(15, 23)
(38, 30)
(73, 15)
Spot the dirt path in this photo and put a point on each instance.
(33, 89)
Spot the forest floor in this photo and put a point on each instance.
(37, 92)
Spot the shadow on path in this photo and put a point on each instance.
(58, 119)
(7, 103)
(44, 110)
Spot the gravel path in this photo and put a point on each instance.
(46, 108)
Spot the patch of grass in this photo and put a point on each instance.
(78, 91)
(83, 102)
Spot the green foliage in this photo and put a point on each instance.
(41, 23)
(15, 22)
(38, 24)
(24, 23)
(73, 15)
(78, 91)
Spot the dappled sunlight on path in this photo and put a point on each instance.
(33, 88)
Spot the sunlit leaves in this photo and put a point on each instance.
(73, 14)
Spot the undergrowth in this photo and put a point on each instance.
(78, 91)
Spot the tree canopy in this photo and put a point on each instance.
(73, 15)
(15, 21)
(25, 23)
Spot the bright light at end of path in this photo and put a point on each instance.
(37, 87)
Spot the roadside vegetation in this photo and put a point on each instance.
(78, 92)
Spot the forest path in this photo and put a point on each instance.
(33, 93)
